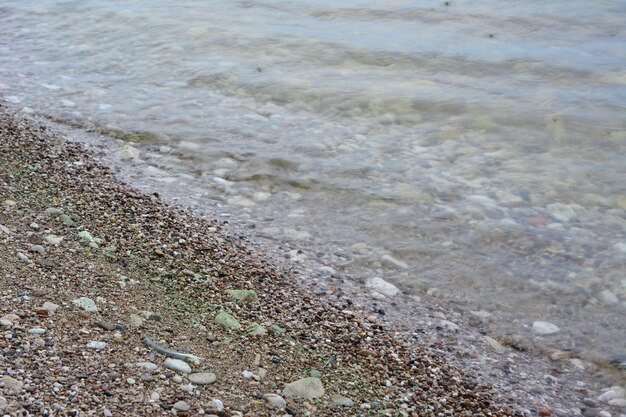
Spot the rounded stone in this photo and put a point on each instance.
(181, 406)
(177, 365)
(544, 328)
(36, 330)
(202, 378)
(305, 388)
(275, 401)
(383, 287)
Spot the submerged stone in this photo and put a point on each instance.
(544, 328)
(383, 287)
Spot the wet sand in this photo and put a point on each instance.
(72, 231)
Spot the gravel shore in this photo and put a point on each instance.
(117, 304)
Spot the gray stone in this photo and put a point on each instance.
(103, 324)
(544, 328)
(383, 287)
(277, 329)
(617, 402)
(4, 229)
(127, 152)
(22, 256)
(148, 366)
(86, 304)
(135, 320)
(177, 365)
(607, 297)
(86, 236)
(342, 401)
(562, 212)
(448, 325)
(11, 384)
(38, 249)
(53, 240)
(54, 211)
(305, 388)
(67, 220)
(315, 373)
(202, 378)
(393, 262)
(614, 392)
(217, 404)
(246, 296)
(51, 307)
(482, 314)
(147, 378)
(227, 321)
(181, 406)
(255, 329)
(36, 330)
(275, 401)
(96, 345)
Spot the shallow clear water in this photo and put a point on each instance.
(483, 145)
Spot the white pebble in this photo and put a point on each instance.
(37, 330)
(544, 328)
(219, 405)
(96, 345)
(383, 287)
(607, 297)
(177, 365)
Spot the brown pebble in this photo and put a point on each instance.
(365, 352)
(42, 312)
(103, 324)
(545, 412)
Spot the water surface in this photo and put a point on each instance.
(481, 145)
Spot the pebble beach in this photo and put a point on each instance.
(117, 303)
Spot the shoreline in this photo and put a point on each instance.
(178, 266)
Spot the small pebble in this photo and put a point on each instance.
(103, 324)
(202, 378)
(177, 365)
(181, 406)
(37, 330)
(96, 345)
(38, 249)
(51, 307)
(275, 401)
